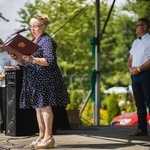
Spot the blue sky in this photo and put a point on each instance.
(9, 10)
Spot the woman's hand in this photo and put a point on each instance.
(37, 61)
(28, 58)
(14, 57)
(18, 60)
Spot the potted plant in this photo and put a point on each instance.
(73, 109)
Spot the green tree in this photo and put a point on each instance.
(112, 107)
(138, 9)
(73, 25)
(74, 53)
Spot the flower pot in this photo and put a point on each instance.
(73, 117)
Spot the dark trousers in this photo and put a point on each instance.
(2, 107)
(141, 91)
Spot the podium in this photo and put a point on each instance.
(18, 122)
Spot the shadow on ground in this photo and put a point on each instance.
(117, 137)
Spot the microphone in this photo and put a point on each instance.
(19, 31)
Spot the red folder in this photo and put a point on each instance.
(19, 46)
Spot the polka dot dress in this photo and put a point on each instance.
(43, 85)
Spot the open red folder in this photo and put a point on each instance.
(19, 46)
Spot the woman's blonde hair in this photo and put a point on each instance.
(42, 18)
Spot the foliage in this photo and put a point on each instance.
(73, 35)
(72, 26)
(87, 115)
(103, 117)
(76, 99)
(74, 49)
(72, 39)
(112, 107)
(135, 6)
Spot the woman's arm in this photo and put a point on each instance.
(38, 61)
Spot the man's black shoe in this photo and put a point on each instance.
(139, 133)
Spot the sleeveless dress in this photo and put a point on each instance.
(43, 85)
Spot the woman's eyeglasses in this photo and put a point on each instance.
(35, 27)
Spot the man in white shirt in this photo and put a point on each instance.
(5, 60)
(139, 68)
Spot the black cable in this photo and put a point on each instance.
(3, 17)
(72, 18)
(103, 30)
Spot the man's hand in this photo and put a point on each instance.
(134, 71)
(2, 77)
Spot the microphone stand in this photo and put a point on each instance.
(8, 39)
(15, 34)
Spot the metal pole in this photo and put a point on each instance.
(97, 64)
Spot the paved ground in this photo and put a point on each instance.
(84, 138)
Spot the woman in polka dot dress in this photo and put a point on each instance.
(43, 85)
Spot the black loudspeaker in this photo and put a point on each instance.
(18, 122)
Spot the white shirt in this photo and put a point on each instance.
(140, 50)
(5, 60)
